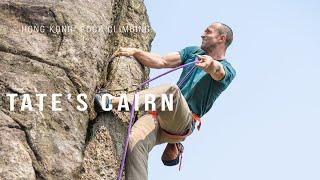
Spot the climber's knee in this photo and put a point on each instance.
(172, 89)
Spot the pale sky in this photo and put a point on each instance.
(265, 126)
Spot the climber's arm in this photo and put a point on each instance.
(157, 61)
(150, 59)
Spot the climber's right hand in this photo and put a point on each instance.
(125, 52)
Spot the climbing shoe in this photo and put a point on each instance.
(171, 154)
(98, 101)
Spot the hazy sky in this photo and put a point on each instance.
(265, 126)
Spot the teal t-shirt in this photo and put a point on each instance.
(199, 89)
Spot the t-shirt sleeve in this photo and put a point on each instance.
(187, 53)
(230, 73)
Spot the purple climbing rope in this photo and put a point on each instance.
(186, 76)
(126, 143)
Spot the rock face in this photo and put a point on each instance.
(65, 47)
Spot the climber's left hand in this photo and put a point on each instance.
(208, 64)
(211, 66)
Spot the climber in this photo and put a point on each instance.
(192, 99)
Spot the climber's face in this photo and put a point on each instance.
(210, 37)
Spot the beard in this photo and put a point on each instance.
(208, 46)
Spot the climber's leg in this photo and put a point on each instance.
(142, 139)
(177, 121)
(180, 119)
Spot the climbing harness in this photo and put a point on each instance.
(132, 114)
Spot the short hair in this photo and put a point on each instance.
(225, 29)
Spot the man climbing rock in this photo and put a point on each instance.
(191, 99)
